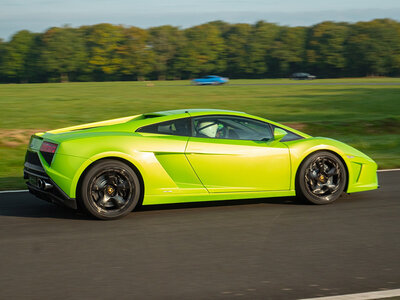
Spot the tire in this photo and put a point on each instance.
(109, 190)
(321, 178)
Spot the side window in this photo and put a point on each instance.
(179, 127)
(234, 128)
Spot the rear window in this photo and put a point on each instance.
(179, 127)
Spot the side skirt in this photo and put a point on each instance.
(167, 199)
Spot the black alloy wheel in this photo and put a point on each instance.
(321, 179)
(110, 190)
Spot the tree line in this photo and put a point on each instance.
(262, 50)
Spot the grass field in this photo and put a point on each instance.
(365, 116)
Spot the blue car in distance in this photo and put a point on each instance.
(210, 80)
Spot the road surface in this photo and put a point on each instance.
(260, 249)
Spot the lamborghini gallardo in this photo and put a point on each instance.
(108, 168)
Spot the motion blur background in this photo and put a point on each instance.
(54, 75)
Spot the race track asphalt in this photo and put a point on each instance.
(259, 249)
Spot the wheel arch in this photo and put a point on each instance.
(121, 159)
(324, 150)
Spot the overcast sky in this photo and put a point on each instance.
(38, 15)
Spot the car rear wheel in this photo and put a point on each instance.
(110, 190)
(321, 178)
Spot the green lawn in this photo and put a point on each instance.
(365, 116)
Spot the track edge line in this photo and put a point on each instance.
(361, 296)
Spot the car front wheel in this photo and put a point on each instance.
(321, 178)
(110, 190)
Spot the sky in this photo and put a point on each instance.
(38, 15)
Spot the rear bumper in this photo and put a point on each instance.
(41, 185)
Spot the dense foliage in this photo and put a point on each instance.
(262, 50)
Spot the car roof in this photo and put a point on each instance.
(189, 111)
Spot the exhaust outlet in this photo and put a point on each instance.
(43, 185)
(40, 184)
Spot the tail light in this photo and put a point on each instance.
(47, 150)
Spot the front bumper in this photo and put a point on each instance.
(43, 187)
(363, 175)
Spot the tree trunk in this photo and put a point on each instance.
(64, 77)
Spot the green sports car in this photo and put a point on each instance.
(108, 168)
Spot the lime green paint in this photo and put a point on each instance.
(279, 134)
(166, 199)
(92, 125)
(179, 169)
(227, 166)
(187, 169)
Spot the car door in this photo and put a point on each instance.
(237, 154)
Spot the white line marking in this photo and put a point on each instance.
(361, 296)
(23, 191)
(14, 191)
(388, 170)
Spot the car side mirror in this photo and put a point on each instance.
(279, 134)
